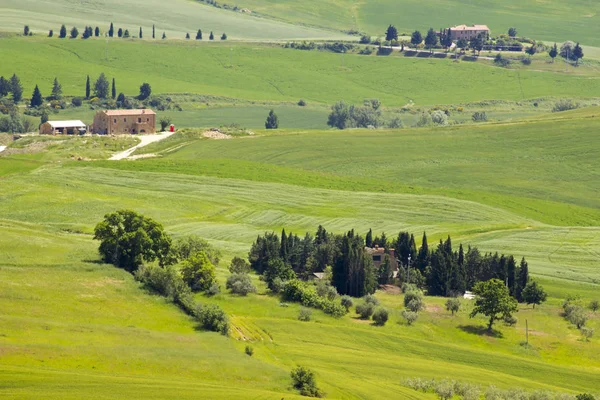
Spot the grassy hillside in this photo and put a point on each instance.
(175, 18)
(267, 73)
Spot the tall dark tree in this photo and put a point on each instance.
(113, 89)
(447, 39)
(353, 270)
(553, 53)
(56, 90)
(87, 87)
(476, 43)
(416, 38)
(522, 279)
(16, 88)
(63, 32)
(422, 259)
(111, 30)
(263, 250)
(97, 32)
(120, 99)
(141, 34)
(272, 121)
(431, 39)
(187, 35)
(36, 98)
(199, 34)
(50, 33)
(4, 86)
(211, 37)
(391, 34)
(120, 32)
(369, 238)
(26, 30)
(74, 32)
(511, 276)
(386, 271)
(164, 35)
(101, 87)
(512, 32)
(153, 32)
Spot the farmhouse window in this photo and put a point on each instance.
(115, 120)
(139, 120)
(124, 119)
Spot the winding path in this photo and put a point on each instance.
(144, 141)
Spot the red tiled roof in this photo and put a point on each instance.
(128, 112)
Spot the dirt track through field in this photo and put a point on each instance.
(144, 141)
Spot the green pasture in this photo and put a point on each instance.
(175, 18)
(258, 72)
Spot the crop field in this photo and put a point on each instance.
(175, 18)
(258, 72)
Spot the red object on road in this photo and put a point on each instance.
(172, 128)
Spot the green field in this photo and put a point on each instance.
(175, 18)
(71, 327)
(266, 73)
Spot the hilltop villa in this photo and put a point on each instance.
(124, 121)
(467, 32)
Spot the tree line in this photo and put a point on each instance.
(441, 271)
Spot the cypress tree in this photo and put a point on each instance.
(63, 32)
(522, 279)
(283, 248)
(153, 36)
(16, 88)
(111, 30)
(369, 238)
(36, 98)
(87, 87)
(114, 89)
(50, 33)
(272, 121)
(383, 241)
(120, 32)
(74, 32)
(164, 36)
(187, 35)
(412, 246)
(4, 86)
(511, 268)
(553, 52)
(97, 32)
(199, 34)
(211, 37)
(141, 33)
(423, 255)
(56, 90)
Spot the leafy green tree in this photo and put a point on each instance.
(272, 121)
(4, 86)
(431, 39)
(493, 301)
(263, 250)
(111, 30)
(391, 34)
(476, 43)
(211, 37)
(128, 239)
(416, 38)
(74, 33)
(101, 87)
(187, 246)
(522, 279)
(198, 272)
(213, 318)
(447, 39)
(303, 380)
(36, 98)
(386, 270)
(531, 50)
(16, 88)
(63, 32)
(453, 305)
(365, 310)
(577, 53)
(553, 52)
(120, 100)
(534, 294)
(44, 117)
(380, 316)
(145, 91)
(87, 87)
(239, 266)
(164, 122)
(409, 316)
(512, 32)
(462, 44)
(113, 89)
(56, 90)
(339, 116)
(276, 268)
(577, 316)
(413, 301)
(199, 34)
(26, 30)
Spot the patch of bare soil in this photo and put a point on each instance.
(103, 282)
(216, 134)
(433, 308)
(35, 147)
(390, 289)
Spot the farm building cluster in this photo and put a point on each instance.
(113, 122)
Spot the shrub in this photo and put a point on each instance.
(395, 123)
(371, 299)
(439, 117)
(303, 380)
(594, 305)
(526, 60)
(577, 316)
(346, 302)
(305, 314)
(188, 246)
(501, 61)
(365, 310)
(510, 320)
(240, 284)
(365, 39)
(277, 285)
(453, 305)
(213, 318)
(479, 116)
(587, 333)
(293, 289)
(564, 105)
(380, 316)
(239, 266)
(249, 350)
(214, 289)
(585, 396)
(444, 389)
(366, 51)
(198, 272)
(163, 281)
(413, 301)
(326, 291)
(409, 316)
(302, 103)
(334, 309)
(424, 120)
(77, 101)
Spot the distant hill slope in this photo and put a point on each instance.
(554, 20)
(174, 17)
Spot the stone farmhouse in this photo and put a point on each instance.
(377, 253)
(124, 121)
(62, 127)
(467, 32)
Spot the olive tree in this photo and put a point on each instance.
(493, 301)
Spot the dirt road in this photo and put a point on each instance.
(144, 141)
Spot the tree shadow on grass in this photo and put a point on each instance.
(97, 262)
(480, 331)
(409, 53)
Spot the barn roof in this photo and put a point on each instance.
(129, 112)
(67, 124)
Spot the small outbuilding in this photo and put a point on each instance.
(73, 127)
